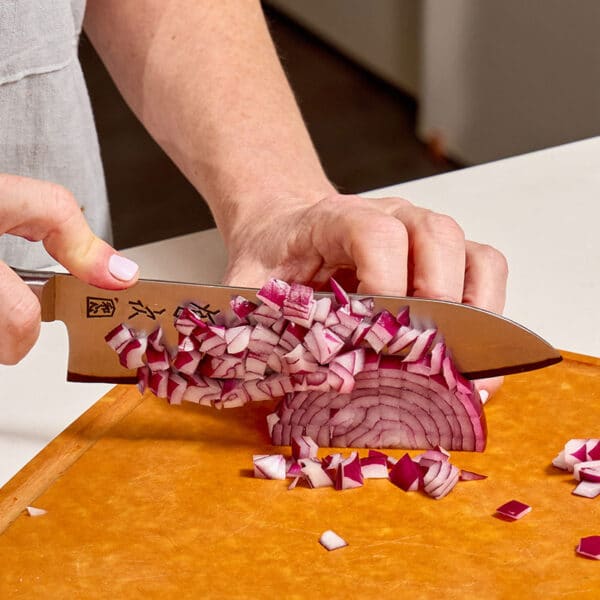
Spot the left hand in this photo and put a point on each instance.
(388, 245)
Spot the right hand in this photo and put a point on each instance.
(42, 211)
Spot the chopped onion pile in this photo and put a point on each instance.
(582, 458)
(347, 376)
(430, 472)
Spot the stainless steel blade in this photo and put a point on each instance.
(482, 343)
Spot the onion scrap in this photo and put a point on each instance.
(582, 458)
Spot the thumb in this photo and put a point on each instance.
(42, 211)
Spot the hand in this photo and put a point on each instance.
(390, 246)
(38, 210)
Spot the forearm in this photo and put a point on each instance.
(205, 80)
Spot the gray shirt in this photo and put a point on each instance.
(46, 123)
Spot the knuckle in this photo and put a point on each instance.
(61, 201)
(21, 328)
(442, 227)
(493, 260)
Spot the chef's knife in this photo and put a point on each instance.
(483, 344)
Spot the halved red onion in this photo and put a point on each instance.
(589, 546)
(514, 509)
(331, 540)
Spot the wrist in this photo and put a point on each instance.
(245, 212)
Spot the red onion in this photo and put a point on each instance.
(349, 474)
(470, 476)
(374, 467)
(32, 511)
(514, 509)
(331, 540)
(587, 489)
(589, 546)
(331, 360)
(269, 466)
(406, 474)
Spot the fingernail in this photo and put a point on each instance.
(122, 268)
(484, 395)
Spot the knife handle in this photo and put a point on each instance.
(38, 284)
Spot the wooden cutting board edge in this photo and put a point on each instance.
(64, 450)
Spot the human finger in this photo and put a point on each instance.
(19, 316)
(486, 275)
(349, 233)
(43, 211)
(437, 253)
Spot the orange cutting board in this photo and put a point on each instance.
(159, 502)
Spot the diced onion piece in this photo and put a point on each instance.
(589, 466)
(274, 293)
(339, 292)
(118, 337)
(589, 546)
(269, 466)
(35, 512)
(470, 475)
(374, 467)
(176, 386)
(303, 446)
(131, 355)
(406, 474)
(349, 474)
(587, 489)
(331, 540)
(514, 509)
(314, 474)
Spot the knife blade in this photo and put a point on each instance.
(482, 343)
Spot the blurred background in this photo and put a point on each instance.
(391, 90)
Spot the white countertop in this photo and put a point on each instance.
(541, 210)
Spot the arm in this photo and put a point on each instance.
(204, 78)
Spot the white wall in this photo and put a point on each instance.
(494, 78)
(382, 35)
(506, 77)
